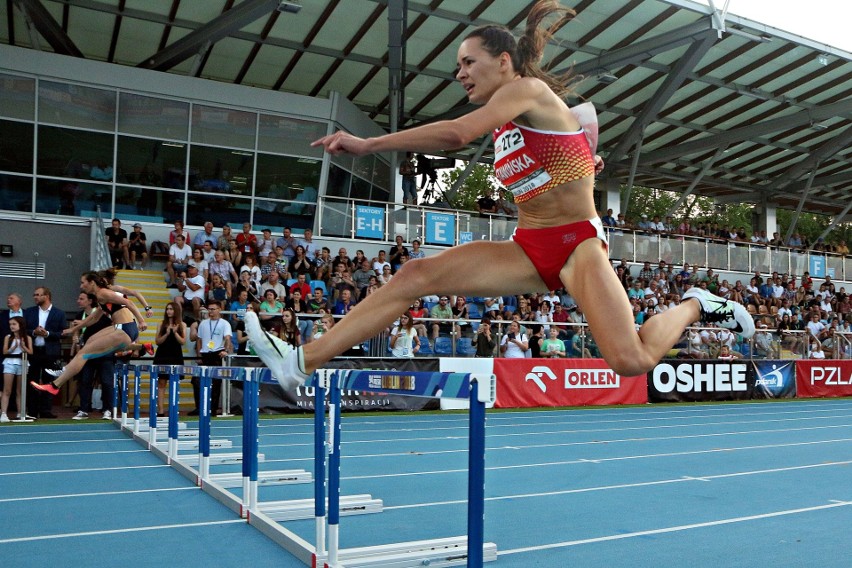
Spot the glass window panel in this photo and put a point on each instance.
(338, 182)
(73, 105)
(218, 170)
(148, 205)
(290, 136)
(363, 167)
(379, 194)
(16, 193)
(16, 146)
(78, 199)
(360, 188)
(17, 97)
(223, 127)
(74, 153)
(342, 160)
(292, 214)
(739, 258)
(381, 174)
(282, 177)
(336, 219)
(150, 116)
(220, 209)
(149, 162)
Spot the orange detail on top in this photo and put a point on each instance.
(529, 162)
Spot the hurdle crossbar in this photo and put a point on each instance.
(479, 389)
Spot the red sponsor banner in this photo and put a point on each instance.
(523, 383)
(823, 378)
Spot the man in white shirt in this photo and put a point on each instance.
(191, 286)
(380, 262)
(179, 255)
(312, 251)
(213, 343)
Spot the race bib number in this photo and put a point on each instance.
(515, 167)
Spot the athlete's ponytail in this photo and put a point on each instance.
(526, 52)
(97, 278)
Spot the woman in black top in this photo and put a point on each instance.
(171, 337)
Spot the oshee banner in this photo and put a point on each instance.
(822, 378)
(694, 380)
(524, 383)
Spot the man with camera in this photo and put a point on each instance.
(483, 341)
(191, 286)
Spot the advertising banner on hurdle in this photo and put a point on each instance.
(276, 399)
(524, 383)
(821, 378)
(774, 379)
(695, 381)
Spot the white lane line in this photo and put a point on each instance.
(679, 528)
(98, 494)
(121, 531)
(49, 442)
(55, 454)
(603, 460)
(9, 473)
(684, 479)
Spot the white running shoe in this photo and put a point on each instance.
(728, 314)
(286, 363)
(81, 415)
(107, 415)
(54, 372)
(4, 418)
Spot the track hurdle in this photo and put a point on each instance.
(480, 389)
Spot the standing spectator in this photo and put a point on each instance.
(608, 220)
(15, 344)
(45, 323)
(117, 243)
(14, 301)
(246, 241)
(403, 340)
(408, 171)
(202, 237)
(137, 247)
(288, 243)
(213, 344)
(395, 254)
(265, 245)
(553, 347)
(483, 341)
(171, 337)
(514, 344)
(179, 255)
(312, 251)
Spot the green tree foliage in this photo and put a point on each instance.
(480, 182)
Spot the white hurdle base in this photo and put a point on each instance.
(217, 459)
(296, 509)
(281, 477)
(190, 444)
(450, 551)
(162, 424)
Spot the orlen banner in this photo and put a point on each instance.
(820, 378)
(523, 383)
(693, 380)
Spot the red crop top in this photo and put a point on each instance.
(529, 162)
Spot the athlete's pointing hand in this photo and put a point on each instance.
(343, 143)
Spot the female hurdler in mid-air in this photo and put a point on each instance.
(544, 157)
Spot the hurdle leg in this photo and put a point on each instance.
(125, 371)
(137, 398)
(116, 389)
(152, 408)
(174, 402)
(476, 479)
(204, 426)
(319, 459)
(251, 438)
(334, 472)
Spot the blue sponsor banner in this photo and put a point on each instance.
(369, 222)
(465, 237)
(817, 265)
(774, 379)
(440, 229)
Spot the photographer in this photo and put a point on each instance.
(514, 344)
(191, 286)
(483, 341)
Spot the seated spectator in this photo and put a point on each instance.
(223, 243)
(362, 275)
(198, 262)
(323, 266)
(385, 276)
(380, 262)
(239, 306)
(202, 237)
(270, 311)
(267, 265)
(137, 246)
(290, 328)
(178, 230)
(223, 268)
(443, 311)
(220, 289)
(179, 255)
(117, 244)
(252, 268)
(324, 324)
(265, 245)
(342, 280)
(318, 303)
(312, 251)
(208, 252)
(417, 313)
(395, 254)
(191, 287)
(301, 284)
(288, 244)
(273, 282)
(344, 304)
(296, 303)
(415, 250)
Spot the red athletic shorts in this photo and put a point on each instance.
(549, 248)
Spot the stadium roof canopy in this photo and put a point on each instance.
(689, 99)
